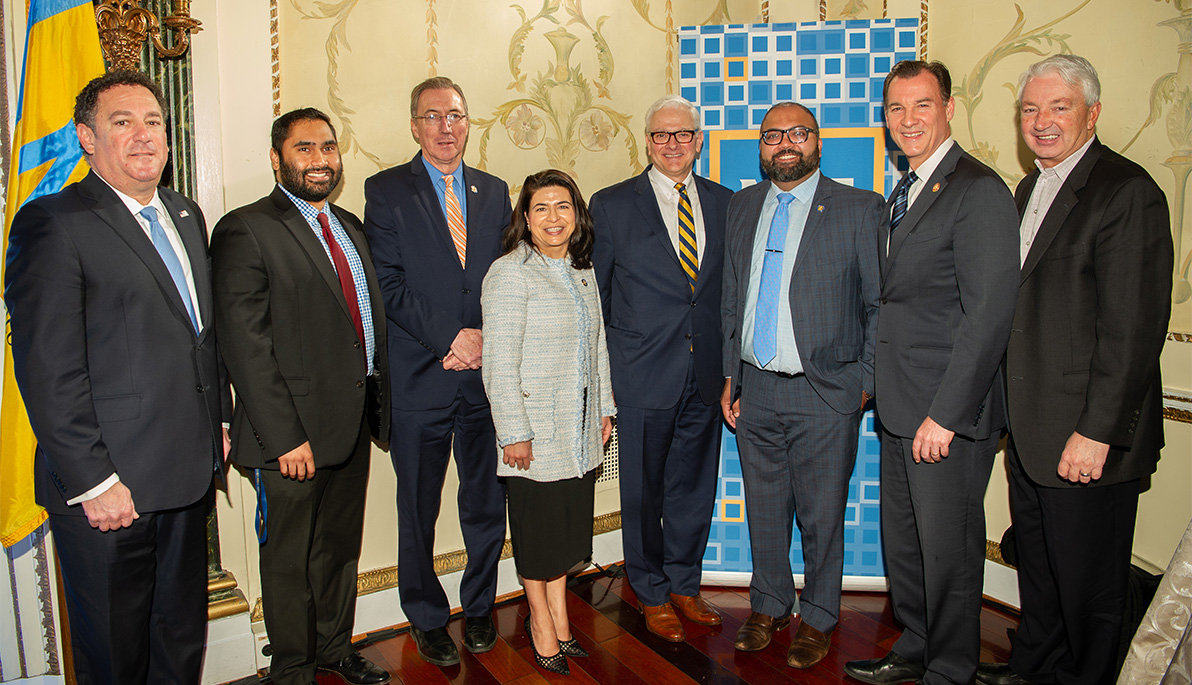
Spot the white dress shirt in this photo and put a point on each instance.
(668, 205)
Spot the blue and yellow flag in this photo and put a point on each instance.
(61, 55)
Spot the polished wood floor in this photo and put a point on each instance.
(604, 618)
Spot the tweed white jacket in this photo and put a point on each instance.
(545, 364)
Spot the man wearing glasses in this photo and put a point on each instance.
(799, 319)
(658, 254)
(434, 225)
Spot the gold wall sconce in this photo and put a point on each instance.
(124, 26)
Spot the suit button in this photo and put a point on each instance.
(359, 384)
(692, 304)
(688, 336)
(884, 301)
(356, 344)
(199, 388)
(525, 394)
(467, 291)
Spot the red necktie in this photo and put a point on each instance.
(346, 282)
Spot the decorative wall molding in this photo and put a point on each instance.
(1177, 406)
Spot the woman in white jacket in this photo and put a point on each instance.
(546, 375)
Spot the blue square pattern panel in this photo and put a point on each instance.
(836, 69)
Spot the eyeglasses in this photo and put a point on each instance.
(451, 119)
(663, 137)
(796, 135)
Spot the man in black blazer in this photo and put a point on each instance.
(113, 340)
(658, 254)
(1084, 394)
(435, 226)
(800, 316)
(304, 342)
(949, 276)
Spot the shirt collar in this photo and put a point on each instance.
(308, 211)
(438, 175)
(802, 192)
(133, 205)
(928, 167)
(1064, 168)
(664, 183)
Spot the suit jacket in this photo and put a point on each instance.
(833, 291)
(948, 288)
(289, 342)
(428, 296)
(1093, 307)
(540, 316)
(653, 321)
(113, 376)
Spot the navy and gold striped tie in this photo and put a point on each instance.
(688, 252)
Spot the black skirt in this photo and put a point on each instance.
(550, 524)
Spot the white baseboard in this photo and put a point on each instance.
(230, 650)
(1001, 584)
(741, 579)
(38, 680)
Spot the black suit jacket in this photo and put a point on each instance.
(113, 376)
(428, 296)
(289, 342)
(652, 319)
(833, 291)
(948, 288)
(1093, 307)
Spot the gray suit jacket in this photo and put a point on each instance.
(949, 284)
(833, 291)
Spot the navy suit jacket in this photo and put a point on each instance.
(833, 292)
(653, 321)
(1093, 307)
(113, 376)
(428, 296)
(948, 288)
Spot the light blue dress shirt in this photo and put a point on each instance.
(457, 185)
(787, 359)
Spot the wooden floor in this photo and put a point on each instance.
(605, 620)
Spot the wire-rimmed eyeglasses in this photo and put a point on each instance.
(434, 118)
(663, 137)
(796, 135)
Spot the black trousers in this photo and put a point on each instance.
(309, 563)
(933, 532)
(136, 597)
(1074, 545)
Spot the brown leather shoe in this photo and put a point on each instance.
(808, 647)
(755, 634)
(696, 609)
(663, 622)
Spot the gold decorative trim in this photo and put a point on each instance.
(378, 580)
(227, 607)
(224, 581)
(1177, 407)
(432, 39)
(274, 50)
(823, 10)
(223, 597)
(1180, 337)
(993, 552)
(923, 29)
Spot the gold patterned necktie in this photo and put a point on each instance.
(455, 221)
(688, 252)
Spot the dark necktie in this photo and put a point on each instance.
(346, 282)
(901, 199)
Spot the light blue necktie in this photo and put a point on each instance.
(166, 250)
(765, 318)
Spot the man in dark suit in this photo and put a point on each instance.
(304, 342)
(1084, 394)
(435, 226)
(658, 255)
(799, 315)
(109, 299)
(949, 275)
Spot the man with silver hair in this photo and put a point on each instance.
(1083, 387)
(658, 254)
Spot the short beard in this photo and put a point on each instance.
(295, 181)
(780, 173)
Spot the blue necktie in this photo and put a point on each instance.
(901, 199)
(166, 250)
(765, 318)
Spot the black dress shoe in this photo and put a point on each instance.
(889, 669)
(479, 634)
(998, 674)
(356, 670)
(436, 646)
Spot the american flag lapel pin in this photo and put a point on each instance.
(183, 214)
(473, 189)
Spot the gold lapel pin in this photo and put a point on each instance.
(935, 188)
(474, 189)
(820, 208)
(584, 281)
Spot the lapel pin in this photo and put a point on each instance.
(473, 189)
(183, 214)
(820, 208)
(935, 188)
